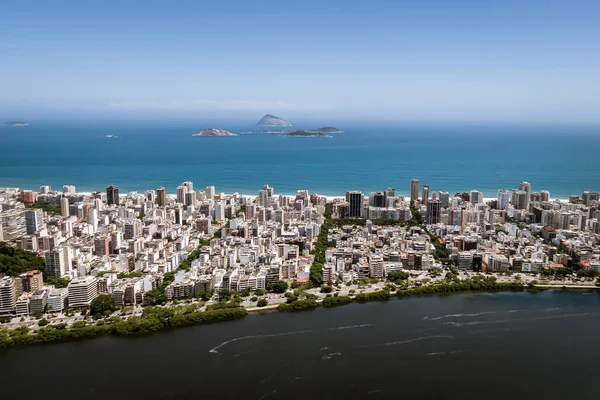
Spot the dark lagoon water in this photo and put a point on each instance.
(367, 157)
(469, 346)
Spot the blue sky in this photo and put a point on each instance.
(421, 60)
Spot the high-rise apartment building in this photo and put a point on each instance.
(112, 195)
(82, 291)
(210, 192)
(520, 199)
(181, 192)
(161, 196)
(425, 194)
(444, 199)
(503, 200)
(588, 196)
(64, 207)
(476, 197)
(34, 221)
(8, 295)
(414, 190)
(526, 187)
(433, 212)
(356, 200)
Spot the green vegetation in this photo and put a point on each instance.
(262, 303)
(298, 305)
(153, 319)
(316, 269)
(57, 282)
(336, 301)
(435, 272)
(15, 261)
(124, 275)
(103, 303)
(50, 208)
(588, 273)
(222, 305)
(382, 295)
(395, 276)
(278, 287)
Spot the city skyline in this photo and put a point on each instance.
(394, 61)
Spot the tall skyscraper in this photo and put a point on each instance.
(504, 197)
(188, 185)
(45, 189)
(526, 187)
(520, 199)
(377, 199)
(190, 198)
(476, 197)
(34, 221)
(425, 194)
(181, 192)
(210, 192)
(161, 196)
(433, 212)
(544, 195)
(356, 200)
(64, 207)
(414, 190)
(112, 195)
(68, 189)
(55, 262)
(444, 199)
(93, 218)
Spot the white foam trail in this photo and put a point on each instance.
(417, 339)
(497, 330)
(459, 324)
(331, 355)
(448, 316)
(441, 353)
(463, 315)
(567, 315)
(214, 349)
(324, 348)
(350, 327)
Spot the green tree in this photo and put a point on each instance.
(102, 303)
(279, 287)
(262, 303)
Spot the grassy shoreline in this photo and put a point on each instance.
(162, 318)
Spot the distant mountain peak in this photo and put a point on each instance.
(272, 120)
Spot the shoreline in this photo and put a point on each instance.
(136, 326)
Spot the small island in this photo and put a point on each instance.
(214, 132)
(17, 123)
(303, 133)
(274, 131)
(329, 129)
(271, 120)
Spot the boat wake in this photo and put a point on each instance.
(417, 339)
(459, 324)
(215, 349)
(350, 327)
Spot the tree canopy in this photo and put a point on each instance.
(102, 303)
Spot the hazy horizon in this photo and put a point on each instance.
(393, 61)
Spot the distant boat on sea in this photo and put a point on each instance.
(112, 136)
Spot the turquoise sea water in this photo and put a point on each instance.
(366, 157)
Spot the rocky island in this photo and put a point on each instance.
(17, 123)
(214, 132)
(271, 120)
(303, 133)
(329, 129)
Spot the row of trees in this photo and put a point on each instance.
(153, 319)
(316, 269)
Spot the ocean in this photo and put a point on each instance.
(542, 345)
(367, 157)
